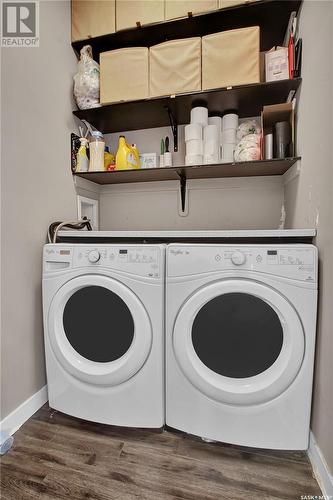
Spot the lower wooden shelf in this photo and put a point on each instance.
(240, 169)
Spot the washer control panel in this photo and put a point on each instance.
(138, 260)
(297, 262)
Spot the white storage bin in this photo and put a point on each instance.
(131, 12)
(231, 58)
(92, 18)
(124, 75)
(180, 8)
(175, 67)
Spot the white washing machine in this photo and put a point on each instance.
(240, 341)
(103, 327)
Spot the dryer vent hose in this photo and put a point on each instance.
(52, 234)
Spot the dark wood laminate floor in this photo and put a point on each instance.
(59, 457)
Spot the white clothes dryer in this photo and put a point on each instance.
(240, 341)
(103, 327)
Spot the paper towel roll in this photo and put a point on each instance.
(228, 152)
(199, 115)
(229, 120)
(209, 159)
(193, 160)
(216, 120)
(211, 132)
(194, 147)
(211, 147)
(193, 131)
(229, 136)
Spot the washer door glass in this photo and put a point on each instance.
(99, 330)
(98, 324)
(239, 342)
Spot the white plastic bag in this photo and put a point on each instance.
(86, 80)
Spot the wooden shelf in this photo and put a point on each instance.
(247, 100)
(271, 15)
(241, 169)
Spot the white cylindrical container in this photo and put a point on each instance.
(194, 147)
(193, 131)
(211, 132)
(168, 159)
(230, 120)
(199, 115)
(96, 149)
(228, 152)
(210, 159)
(229, 136)
(268, 146)
(193, 160)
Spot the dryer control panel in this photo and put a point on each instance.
(298, 262)
(145, 260)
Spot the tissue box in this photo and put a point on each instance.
(124, 75)
(175, 67)
(130, 13)
(148, 160)
(277, 64)
(180, 8)
(92, 18)
(231, 58)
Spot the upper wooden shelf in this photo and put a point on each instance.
(271, 15)
(241, 169)
(246, 100)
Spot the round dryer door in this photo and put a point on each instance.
(239, 342)
(100, 331)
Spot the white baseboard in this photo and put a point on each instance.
(16, 418)
(320, 469)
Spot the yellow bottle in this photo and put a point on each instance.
(126, 158)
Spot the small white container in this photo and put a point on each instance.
(148, 160)
(229, 120)
(193, 160)
(229, 136)
(168, 159)
(193, 131)
(268, 146)
(228, 152)
(199, 115)
(194, 147)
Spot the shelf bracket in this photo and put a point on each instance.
(183, 192)
(174, 128)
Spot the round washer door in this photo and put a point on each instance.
(99, 330)
(239, 342)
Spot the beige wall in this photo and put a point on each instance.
(253, 203)
(37, 189)
(309, 198)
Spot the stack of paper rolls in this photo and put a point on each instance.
(217, 120)
(229, 136)
(193, 136)
(211, 136)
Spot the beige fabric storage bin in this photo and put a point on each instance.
(131, 12)
(180, 8)
(231, 3)
(124, 75)
(231, 58)
(175, 67)
(92, 18)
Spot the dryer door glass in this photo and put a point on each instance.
(98, 324)
(237, 335)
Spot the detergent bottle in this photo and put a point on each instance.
(127, 158)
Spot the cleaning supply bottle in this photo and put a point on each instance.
(108, 159)
(96, 148)
(126, 157)
(136, 155)
(82, 160)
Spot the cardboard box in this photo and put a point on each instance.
(175, 67)
(124, 75)
(92, 18)
(175, 9)
(270, 115)
(277, 64)
(131, 13)
(231, 58)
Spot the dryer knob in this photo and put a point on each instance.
(94, 256)
(238, 258)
